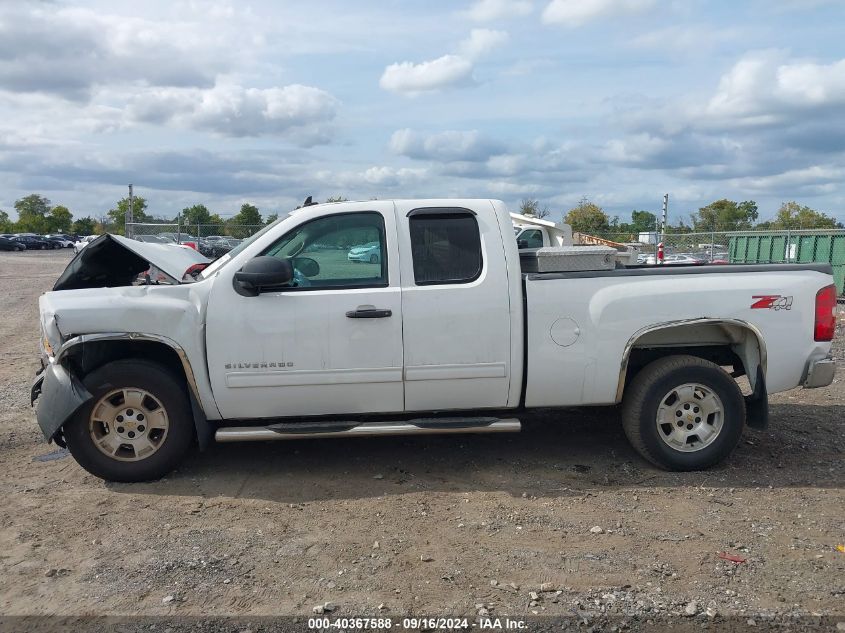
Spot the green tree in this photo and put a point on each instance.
(588, 217)
(5, 222)
(725, 215)
(197, 214)
(59, 220)
(792, 215)
(271, 218)
(642, 221)
(84, 226)
(32, 213)
(246, 222)
(335, 199)
(118, 214)
(249, 215)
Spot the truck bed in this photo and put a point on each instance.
(581, 324)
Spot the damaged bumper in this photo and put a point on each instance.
(820, 373)
(59, 394)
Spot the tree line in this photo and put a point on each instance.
(720, 215)
(37, 214)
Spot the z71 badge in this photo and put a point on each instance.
(771, 302)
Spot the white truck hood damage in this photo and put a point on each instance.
(113, 260)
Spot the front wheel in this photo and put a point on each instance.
(137, 427)
(683, 413)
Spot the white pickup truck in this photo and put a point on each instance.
(438, 330)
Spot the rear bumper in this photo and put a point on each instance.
(820, 373)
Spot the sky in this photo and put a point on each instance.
(267, 102)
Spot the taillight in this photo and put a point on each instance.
(191, 244)
(825, 314)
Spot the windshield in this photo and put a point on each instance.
(217, 264)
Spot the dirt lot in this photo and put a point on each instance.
(431, 526)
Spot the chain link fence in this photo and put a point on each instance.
(190, 232)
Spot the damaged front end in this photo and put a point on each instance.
(113, 260)
(110, 288)
(62, 394)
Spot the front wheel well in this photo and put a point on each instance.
(89, 356)
(92, 355)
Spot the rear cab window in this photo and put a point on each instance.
(445, 246)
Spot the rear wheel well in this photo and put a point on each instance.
(725, 343)
(721, 355)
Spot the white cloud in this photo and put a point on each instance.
(448, 71)
(444, 146)
(700, 39)
(232, 110)
(574, 13)
(818, 177)
(411, 79)
(482, 41)
(393, 177)
(488, 10)
(763, 88)
(66, 51)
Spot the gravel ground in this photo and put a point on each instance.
(563, 519)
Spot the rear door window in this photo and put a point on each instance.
(445, 246)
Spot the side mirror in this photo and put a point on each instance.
(307, 266)
(522, 243)
(262, 273)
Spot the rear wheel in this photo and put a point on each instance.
(683, 413)
(137, 427)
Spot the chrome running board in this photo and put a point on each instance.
(422, 426)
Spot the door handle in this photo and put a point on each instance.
(369, 313)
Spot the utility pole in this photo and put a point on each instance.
(129, 215)
(661, 246)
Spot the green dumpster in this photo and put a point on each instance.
(780, 247)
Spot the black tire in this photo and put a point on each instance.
(643, 398)
(163, 385)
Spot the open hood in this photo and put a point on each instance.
(113, 260)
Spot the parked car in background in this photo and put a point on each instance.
(58, 242)
(152, 239)
(64, 240)
(370, 252)
(682, 258)
(32, 242)
(82, 242)
(221, 247)
(179, 238)
(7, 244)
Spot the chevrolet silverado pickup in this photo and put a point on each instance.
(437, 330)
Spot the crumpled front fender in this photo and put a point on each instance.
(59, 394)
